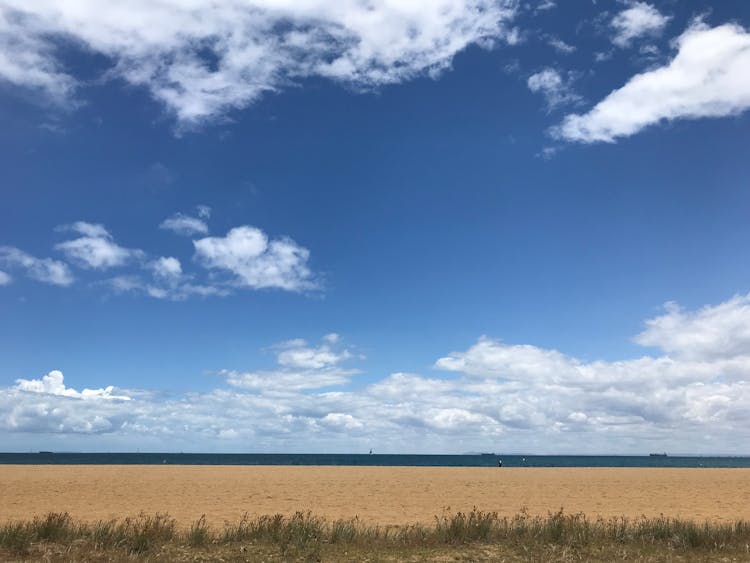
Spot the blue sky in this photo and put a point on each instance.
(435, 227)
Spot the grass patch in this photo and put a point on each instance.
(305, 536)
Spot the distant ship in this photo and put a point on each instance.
(658, 455)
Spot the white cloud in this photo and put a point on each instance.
(92, 230)
(47, 406)
(297, 354)
(204, 211)
(637, 20)
(186, 225)
(27, 59)
(53, 384)
(167, 267)
(711, 333)
(708, 77)
(560, 46)
(300, 366)
(546, 5)
(287, 380)
(332, 338)
(41, 269)
(256, 261)
(95, 248)
(693, 397)
(5, 278)
(171, 287)
(555, 88)
(342, 420)
(493, 359)
(203, 59)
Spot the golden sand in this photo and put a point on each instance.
(383, 495)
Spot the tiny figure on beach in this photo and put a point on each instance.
(499, 462)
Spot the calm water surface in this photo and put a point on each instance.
(484, 460)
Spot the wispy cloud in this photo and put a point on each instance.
(41, 269)
(554, 86)
(164, 285)
(202, 60)
(545, 5)
(186, 225)
(708, 77)
(95, 248)
(560, 46)
(204, 211)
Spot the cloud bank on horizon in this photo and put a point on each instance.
(521, 396)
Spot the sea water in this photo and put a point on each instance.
(473, 460)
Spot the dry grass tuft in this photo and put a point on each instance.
(304, 536)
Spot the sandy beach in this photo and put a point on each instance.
(382, 495)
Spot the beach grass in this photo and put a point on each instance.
(303, 536)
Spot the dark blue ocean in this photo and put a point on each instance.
(477, 460)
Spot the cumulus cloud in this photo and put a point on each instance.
(700, 386)
(556, 88)
(47, 406)
(252, 259)
(95, 248)
(41, 269)
(637, 20)
(300, 366)
(296, 354)
(708, 77)
(693, 396)
(187, 225)
(201, 60)
(167, 267)
(709, 334)
(342, 420)
(53, 384)
(256, 261)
